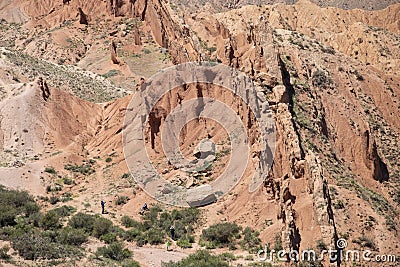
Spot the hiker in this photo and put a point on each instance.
(102, 207)
(143, 209)
(172, 231)
(168, 245)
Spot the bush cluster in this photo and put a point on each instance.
(156, 223)
(13, 204)
(230, 235)
(114, 251)
(321, 79)
(220, 235)
(85, 169)
(201, 258)
(96, 226)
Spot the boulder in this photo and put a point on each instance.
(200, 196)
(205, 148)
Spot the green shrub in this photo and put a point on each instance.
(101, 226)
(221, 234)
(227, 256)
(71, 236)
(130, 263)
(155, 237)
(64, 211)
(156, 223)
(54, 200)
(83, 221)
(4, 253)
(321, 245)
(278, 243)
(121, 200)
(50, 170)
(183, 243)
(320, 79)
(114, 251)
(267, 264)
(132, 235)
(14, 203)
(35, 245)
(50, 221)
(364, 241)
(109, 238)
(111, 73)
(129, 222)
(68, 181)
(126, 175)
(85, 169)
(201, 258)
(249, 258)
(251, 241)
(108, 159)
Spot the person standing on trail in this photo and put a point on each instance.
(172, 231)
(168, 245)
(102, 207)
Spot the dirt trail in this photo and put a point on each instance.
(153, 257)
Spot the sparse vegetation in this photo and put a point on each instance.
(364, 241)
(321, 79)
(359, 77)
(110, 73)
(121, 200)
(85, 85)
(85, 169)
(201, 258)
(126, 175)
(328, 49)
(321, 245)
(50, 170)
(251, 240)
(338, 205)
(4, 253)
(278, 243)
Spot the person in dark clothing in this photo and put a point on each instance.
(143, 209)
(102, 207)
(172, 231)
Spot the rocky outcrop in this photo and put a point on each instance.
(322, 206)
(113, 52)
(372, 159)
(82, 17)
(136, 33)
(42, 86)
(290, 234)
(204, 149)
(155, 118)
